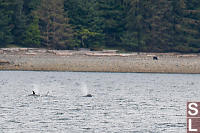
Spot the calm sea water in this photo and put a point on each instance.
(121, 102)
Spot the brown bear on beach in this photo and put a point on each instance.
(155, 58)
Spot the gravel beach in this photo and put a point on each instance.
(103, 61)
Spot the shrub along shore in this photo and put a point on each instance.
(99, 61)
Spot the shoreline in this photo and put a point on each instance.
(30, 59)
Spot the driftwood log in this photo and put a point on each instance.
(3, 62)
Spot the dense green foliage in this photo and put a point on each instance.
(55, 31)
(131, 25)
(6, 26)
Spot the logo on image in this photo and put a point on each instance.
(193, 117)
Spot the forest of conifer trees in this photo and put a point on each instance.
(127, 25)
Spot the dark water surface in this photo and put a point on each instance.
(121, 102)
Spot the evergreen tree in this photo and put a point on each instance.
(160, 28)
(19, 20)
(32, 34)
(85, 21)
(112, 14)
(134, 35)
(186, 26)
(30, 6)
(191, 25)
(55, 29)
(6, 25)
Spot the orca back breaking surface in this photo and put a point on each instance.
(33, 94)
(88, 95)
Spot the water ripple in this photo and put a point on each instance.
(121, 102)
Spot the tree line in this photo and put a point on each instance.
(128, 25)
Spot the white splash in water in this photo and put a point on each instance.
(84, 88)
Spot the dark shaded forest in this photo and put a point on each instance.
(127, 25)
